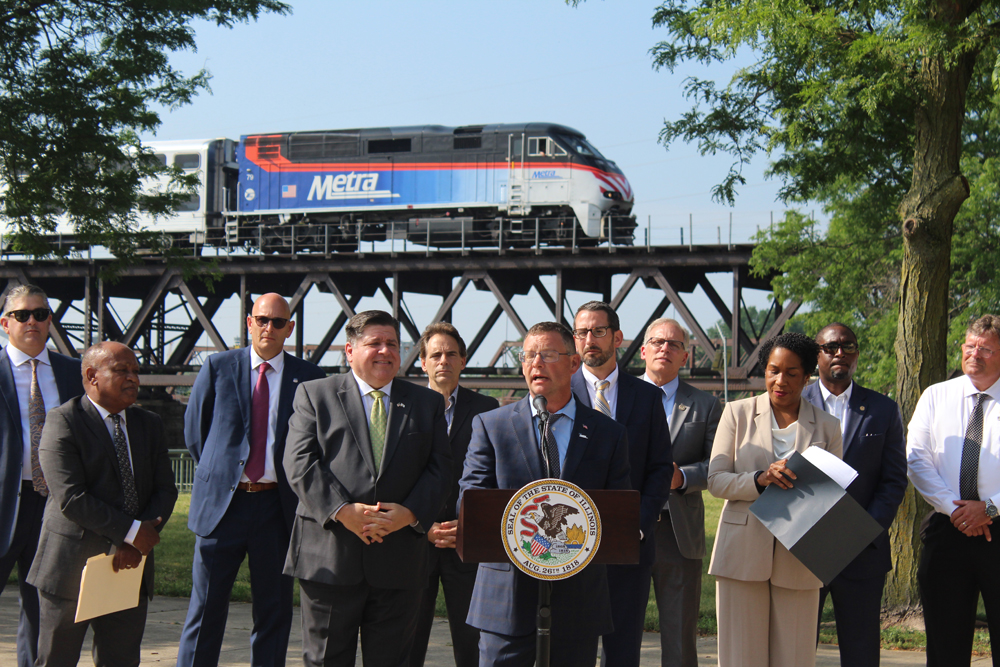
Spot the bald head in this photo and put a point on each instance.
(111, 376)
(267, 337)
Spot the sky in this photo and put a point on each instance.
(334, 64)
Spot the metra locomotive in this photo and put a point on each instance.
(473, 186)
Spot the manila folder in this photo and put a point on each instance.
(104, 591)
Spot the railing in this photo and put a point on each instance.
(183, 466)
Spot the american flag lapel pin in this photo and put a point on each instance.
(400, 405)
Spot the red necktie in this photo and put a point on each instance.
(259, 407)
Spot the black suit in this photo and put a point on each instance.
(346, 584)
(874, 445)
(21, 507)
(85, 516)
(457, 578)
(639, 407)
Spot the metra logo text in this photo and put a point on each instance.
(343, 185)
(551, 173)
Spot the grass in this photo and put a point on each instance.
(175, 553)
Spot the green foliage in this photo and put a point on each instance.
(78, 81)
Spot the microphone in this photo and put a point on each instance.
(540, 403)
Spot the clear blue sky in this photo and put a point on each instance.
(334, 64)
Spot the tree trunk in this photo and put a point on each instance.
(928, 211)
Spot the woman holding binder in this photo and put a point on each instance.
(766, 600)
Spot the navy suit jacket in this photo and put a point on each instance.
(504, 454)
(217, 433)
(639, 409)
(69, 381)
(875, 446)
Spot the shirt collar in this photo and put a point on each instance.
(17, 357)
(452, 397)
(826, 393)
(277, 362)
(104, 413)
(993, 392)
(592, 379)
(367, 388)
(568, 410)
(669, 389)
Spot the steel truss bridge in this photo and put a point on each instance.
(87, 304)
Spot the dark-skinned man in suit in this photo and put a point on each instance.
(602, 385)
(443, 356)
(875, 446)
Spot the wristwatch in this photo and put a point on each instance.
(991, 510)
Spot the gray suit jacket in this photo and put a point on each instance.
(328, 461)
(85, 515)
(692, 431)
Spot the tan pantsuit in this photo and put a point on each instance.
(767, 600)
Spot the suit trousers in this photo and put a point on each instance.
(332, 617)
(458, 580)
(253, 528)
(499, 650)
(117, 636)
(677, 585)
(628, 586)
(954, 570)
(21, 553)
(763, 625)
(857, 606)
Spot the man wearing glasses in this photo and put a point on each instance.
(692, 416)
(33, 380)
(581, 446)
(241, 504)
(874, 445)
(953, 454)
(600, 384)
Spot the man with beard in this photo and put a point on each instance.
(601, 384)
(874, 445)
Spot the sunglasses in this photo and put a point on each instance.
(831, 348)
(275, 322)
(40, 314)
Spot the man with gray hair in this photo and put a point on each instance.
(692, 416)
(33, 380)
(953, 459)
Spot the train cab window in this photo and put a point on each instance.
(159, 158)
(187, 160)
(544, 147)
(515, 148)
(193, 203)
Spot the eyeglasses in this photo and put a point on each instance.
(598, 332)
(275, 322)
(674, 345)
(40, 314)
(968, 349)
(848, 348)
(548, 356)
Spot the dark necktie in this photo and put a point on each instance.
(260, 405)
(36, 420)
(968, 476)
(550, 446)
(125, 469)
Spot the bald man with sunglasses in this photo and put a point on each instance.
(241, 503)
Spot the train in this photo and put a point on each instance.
(503, 185)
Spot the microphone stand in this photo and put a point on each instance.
(543, 645)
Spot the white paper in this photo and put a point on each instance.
(104, 591)
(834, 467)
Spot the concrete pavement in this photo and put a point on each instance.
(166, 618)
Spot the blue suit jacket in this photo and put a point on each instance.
(217, 432)
(639, 409)
(69, 381)
(875, 446)
(504, 454)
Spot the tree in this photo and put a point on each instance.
(858, 100)
(79, 80)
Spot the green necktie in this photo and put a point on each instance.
(376, 426)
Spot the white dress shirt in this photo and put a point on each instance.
(110, 425)
(837, 406)
(273, 376)
(20, 366)
(936, 436)
(610, 394)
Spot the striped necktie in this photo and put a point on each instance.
(602, 402)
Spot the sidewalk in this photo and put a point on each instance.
(166, 618)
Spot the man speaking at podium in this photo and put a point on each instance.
(506, 452)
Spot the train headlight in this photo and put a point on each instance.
(613, 195)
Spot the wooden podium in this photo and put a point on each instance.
(480, 528)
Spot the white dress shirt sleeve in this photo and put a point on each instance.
(922, 464)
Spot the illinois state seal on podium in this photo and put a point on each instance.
(551, 529)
